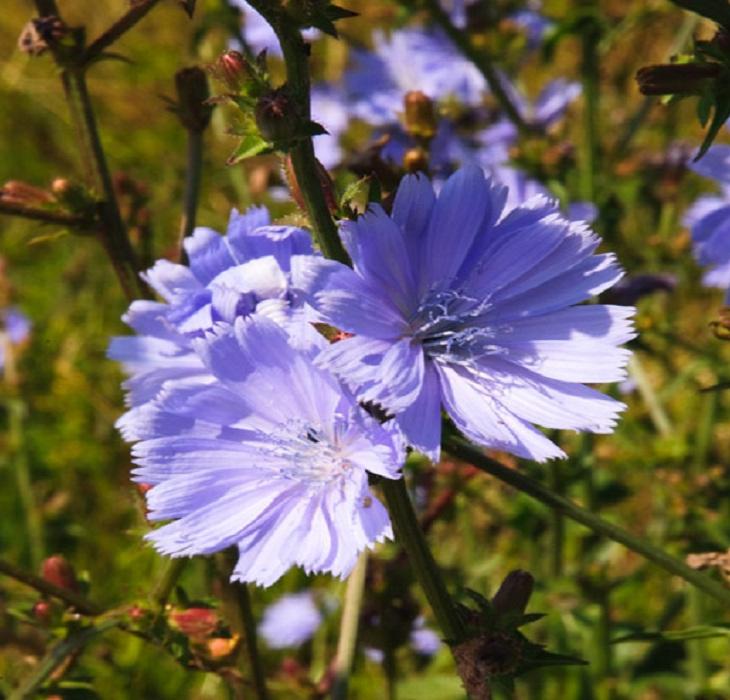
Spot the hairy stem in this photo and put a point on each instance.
(296, 59)
(347, 641)
(461, 449)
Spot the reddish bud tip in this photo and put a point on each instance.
(58, 571)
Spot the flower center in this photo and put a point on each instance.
(309, 454)
(453, 327)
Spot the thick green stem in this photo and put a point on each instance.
(409, 534)
(463, 450)
(480, 59)
(347, 642)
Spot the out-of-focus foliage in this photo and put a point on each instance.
(663, 474)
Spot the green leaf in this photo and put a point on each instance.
(252, 144)
(716, 10)
(704, 107)
(720, 116)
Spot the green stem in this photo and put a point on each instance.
(480, 59)
(656, 411)
(604, 650)
(192, 184)
(135, 13)
(113, 232)
(463, 450)
(590, 78)
(33, 524)
(83, 606)
(48, 217)
(237, 607)
(410, 536)
(171, 574)
(557, 532)
(347, 641)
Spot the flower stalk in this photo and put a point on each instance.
(347, 640)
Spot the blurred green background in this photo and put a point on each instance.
(66, 489)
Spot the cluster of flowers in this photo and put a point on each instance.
(249, 424)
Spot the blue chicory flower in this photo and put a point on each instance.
(709, 219)
(243, 272)
(291, 620)
(424, 641)
(14, 329)
(453, 303)
(265, 452)
(408, 59)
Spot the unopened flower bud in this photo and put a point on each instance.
(42, 611)
(192, 95)
(196, 623)
(40, 34)
(58, 571)
(19, 192)
(221, 647)
(676, 78)
(415, 160)
(514, 593)
(325, 182)
(231, 69)
(275, 116)
(420, 116)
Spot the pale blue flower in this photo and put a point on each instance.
(291, 620)
(453, 303)
(243, 272)
(264, 452)
(709, 219)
